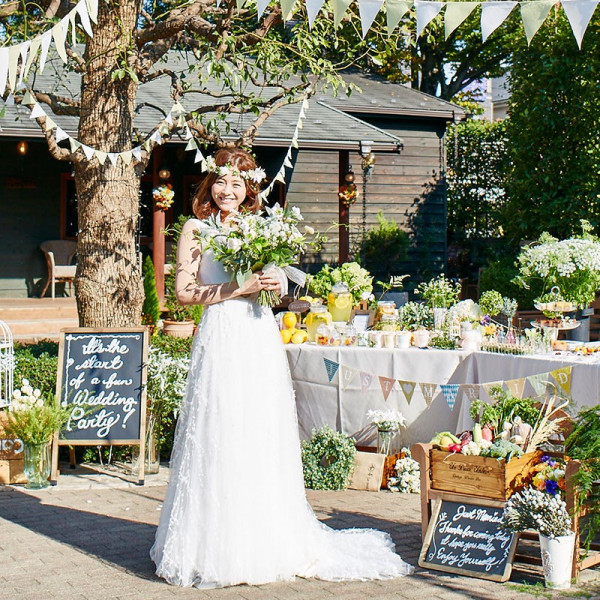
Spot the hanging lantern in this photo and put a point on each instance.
(7, 364)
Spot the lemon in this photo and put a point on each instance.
(343, 302)
(299, 337)
(289, 320)
(286, 335)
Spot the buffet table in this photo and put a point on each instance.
(355, 387)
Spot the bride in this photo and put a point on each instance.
(235, 509)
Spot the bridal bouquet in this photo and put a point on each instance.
(252, 242)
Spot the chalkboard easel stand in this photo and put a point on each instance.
(131, 381)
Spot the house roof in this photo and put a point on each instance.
(326, 126)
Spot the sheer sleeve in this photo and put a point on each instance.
(188, 288)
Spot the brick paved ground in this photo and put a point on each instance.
(92, 544)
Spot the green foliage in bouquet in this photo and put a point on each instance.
(33, 416)
(504, 407)
(358, 280)
(328, 460)
(572, 265)
(151, 306)
(439, 292)
(584, 444)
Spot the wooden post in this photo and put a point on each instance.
(420, 452)
(158, 225)
(344, 211)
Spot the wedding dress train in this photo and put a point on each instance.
(235, 509)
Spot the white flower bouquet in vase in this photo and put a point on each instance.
(258, 242)
(388, 423)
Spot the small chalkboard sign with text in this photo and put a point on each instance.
(464, 536)
(102, 380)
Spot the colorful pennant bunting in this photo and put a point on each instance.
(408, 387)
(470, 390)
(516, 386)
(428, 390)
(450, 390)
(331, 367)
(365, 380)
(347, 374)
(539, 383)
(563, 378)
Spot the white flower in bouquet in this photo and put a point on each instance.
(466, 310)
(252, 242)
(167, 378)
(408, 479)
(25, 398)
(386, 420)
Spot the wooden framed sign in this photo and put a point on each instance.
(102, 379)
(464, 537)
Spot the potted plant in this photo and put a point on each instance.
(547, 514)
(388, 423)
(416, 317)
(34, 418)
(151, 307)
(358, 280)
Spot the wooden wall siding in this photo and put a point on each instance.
(29, 215)
(407, 187)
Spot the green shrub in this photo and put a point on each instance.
(151, 307)
(177, 347)
(498, 276)
(37, 363)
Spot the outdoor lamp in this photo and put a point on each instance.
(365, 147)
(164, 173)
(22, 147)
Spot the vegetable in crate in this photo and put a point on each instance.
(502, 449)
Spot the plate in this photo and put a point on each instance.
(564, 327)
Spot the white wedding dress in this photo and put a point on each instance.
(235, 509)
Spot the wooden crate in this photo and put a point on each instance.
(11, 456)
(479, 475)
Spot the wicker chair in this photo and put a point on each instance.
(59, 258)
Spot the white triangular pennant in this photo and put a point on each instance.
(49, 124)
(10, 100)
(92, 6)
(579, 13)
(24, 54)
(493, 14)
(305, 104)
(368, 10)
(191, 145)
(395, 10)
(72, 16)
(156, 137)
(539, 382)
(426, 10)
(3, 69)
(347, 374)
(455, 15)
(89, 152)
(169, 119)
(339, 10)
(74, 144)
(533, 14)
(261, 6)
(60, 134)
(33, 51)
(84, 18)
(365, 380)
(312, 9)
(198, 157)
(59, 33)
(13, 60)
(101, 156)
(137, 153)
(27, 98)
(46, 39)
(287, 7)
(126, 156)
(113, 156)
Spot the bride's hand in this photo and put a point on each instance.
(271, 282)
(253, 285)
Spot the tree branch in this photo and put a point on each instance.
(60, 105)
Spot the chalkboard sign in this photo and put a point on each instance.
(465, 537)
(102, 379)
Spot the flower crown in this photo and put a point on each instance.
(257, 175)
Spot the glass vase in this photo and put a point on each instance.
(388, 441)
(151, 452)
(37, 465)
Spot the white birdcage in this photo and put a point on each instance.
(7, 364)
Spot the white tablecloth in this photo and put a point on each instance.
(321, 402)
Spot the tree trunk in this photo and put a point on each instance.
(108, 283)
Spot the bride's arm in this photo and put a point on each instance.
(188, 289)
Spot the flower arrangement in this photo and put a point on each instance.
(163, 196)
(167, 378)
(573, 265)
(408, 475)
(415, 315)
(252, 242)
(465, 310)
(328, 460)
(348, 194)
(533, 509)
(34, 417)
(255, 175)
(386, 420)
(491, 303)
(439, 292)
(358, 280)
(550, 476)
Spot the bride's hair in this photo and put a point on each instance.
(203, 204)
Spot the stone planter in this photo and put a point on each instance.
(557, 560)
(178, 329)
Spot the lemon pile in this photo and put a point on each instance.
(289, 333)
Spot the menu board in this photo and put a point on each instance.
(465, 537)
(102, 380)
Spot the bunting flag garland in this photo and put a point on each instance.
(455, 14)
(365, 381)
(579, 14)
(493, 14)
(395, 9)
(488, 386)
(563, 378)
(533, 15)
(516, 386)
(539, 382)
(426, 10)
(347, 375)
(470, 390)
(387, 384)
(408, 387)
(428, 390)
(450, 390)
(331, 367)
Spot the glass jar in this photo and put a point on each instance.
(385, 307)
(318, 315)
(36, 465)
(322, 335)
(339, 302)
(388, 323)
(349, 336)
